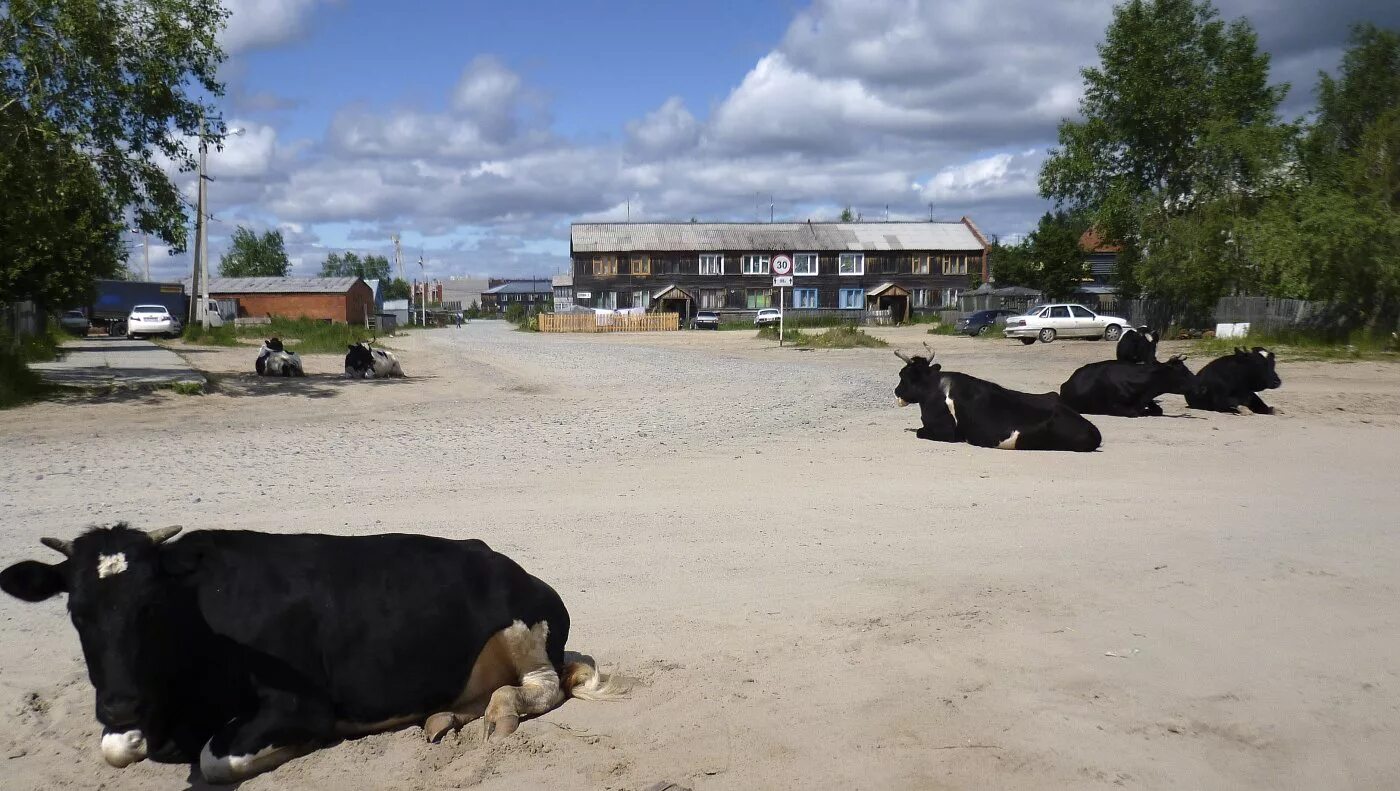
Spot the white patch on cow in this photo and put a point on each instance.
(233, 768)
(948, 399)
(901, 402)
(1264, 353)
(110, 565)
(123, 749)
(1010, 442)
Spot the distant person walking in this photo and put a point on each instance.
(459, 320)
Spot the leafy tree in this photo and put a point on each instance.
(1059, 261)
(93, 95)
(1178, 116)
(1367, 88)
(371, 267)
(396, 288)
(251, 255)
(847, 215)
(1012, 264)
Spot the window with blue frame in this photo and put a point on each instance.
(852, 298)
(804, 297)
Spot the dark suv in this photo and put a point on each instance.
(978, 322)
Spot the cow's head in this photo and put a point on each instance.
(273, 344)
(118, 601)
(1259, 362)
(916, 378)
(1177, 378)
(359, 359)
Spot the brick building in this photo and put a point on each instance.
(339, 299)
(856, 266)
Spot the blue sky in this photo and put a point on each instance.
(479, 131)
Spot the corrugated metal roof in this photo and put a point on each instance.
(774, 237)
(280, 285)
(522, 287)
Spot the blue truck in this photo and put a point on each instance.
(114, 299)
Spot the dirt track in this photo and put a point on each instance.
(807, 595)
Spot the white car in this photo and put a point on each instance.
(151, 320)
(766, 316)
(1067, 320)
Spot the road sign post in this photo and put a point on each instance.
(782, 278)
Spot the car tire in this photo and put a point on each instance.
(1112, 333)
(1027, 341)
(982, 330)
(1047, 335)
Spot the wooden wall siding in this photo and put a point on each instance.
(630, 322)
(682, 269)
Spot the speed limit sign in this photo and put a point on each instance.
(782, 265)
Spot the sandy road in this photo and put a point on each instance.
(808, 596)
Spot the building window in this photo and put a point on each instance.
(667, 266)
(711, 264)
(852, 298)
(641, 299)
(851, 264)
(754, 264)
(604, 265)
(641, 264)
(804, 264)
(711, 298)
(921, 264)
(950, 297)
(759, 298)
(607, 300)
(955, 264)
(919, 296)
(804, 297)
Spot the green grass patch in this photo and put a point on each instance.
(18, 384)
(214, 336)
(840, 337)
(188, 388)
(1302, 345)
(942, 329)
(304, 336)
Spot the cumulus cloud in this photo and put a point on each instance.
(865, 103)
(256, 24)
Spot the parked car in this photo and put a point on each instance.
(705, 319)
(766, 316)
(1048, 322)
(74, 321)
(151, 320)
(978, 323)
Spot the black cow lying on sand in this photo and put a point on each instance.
(363, 362)
(1227, 383)
(959, 408)
(1126, 389)
(275, 360)
(1138, 346)
(243, 650)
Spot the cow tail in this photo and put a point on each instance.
(583, 681)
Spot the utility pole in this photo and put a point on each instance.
(930, 211)
(146, 246)
(398, 255)
(198, 287)
(770, 208)
(424, 304)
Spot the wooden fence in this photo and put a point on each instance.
(605, 322)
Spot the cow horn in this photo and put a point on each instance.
(901, 355)
(58, 545)
(162, 534)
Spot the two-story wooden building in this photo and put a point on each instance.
(686, 267)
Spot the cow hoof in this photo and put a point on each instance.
(439, 724)
(502, 727)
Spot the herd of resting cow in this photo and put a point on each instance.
(237, 651)
(956, 407)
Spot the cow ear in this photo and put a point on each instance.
(30, 580)
(936, 367)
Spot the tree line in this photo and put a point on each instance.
(1180, 159)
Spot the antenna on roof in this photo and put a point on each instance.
(930, 211)
(770, 208)
(887, 212)
(629, 210)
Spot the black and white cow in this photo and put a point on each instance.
(243, 650)
(275, 360)
(956, 407)
(1227, 383)
(1113, 387)
(363, 362)
(1138, 346)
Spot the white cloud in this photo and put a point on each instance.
(254, 24)
(667, 129)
